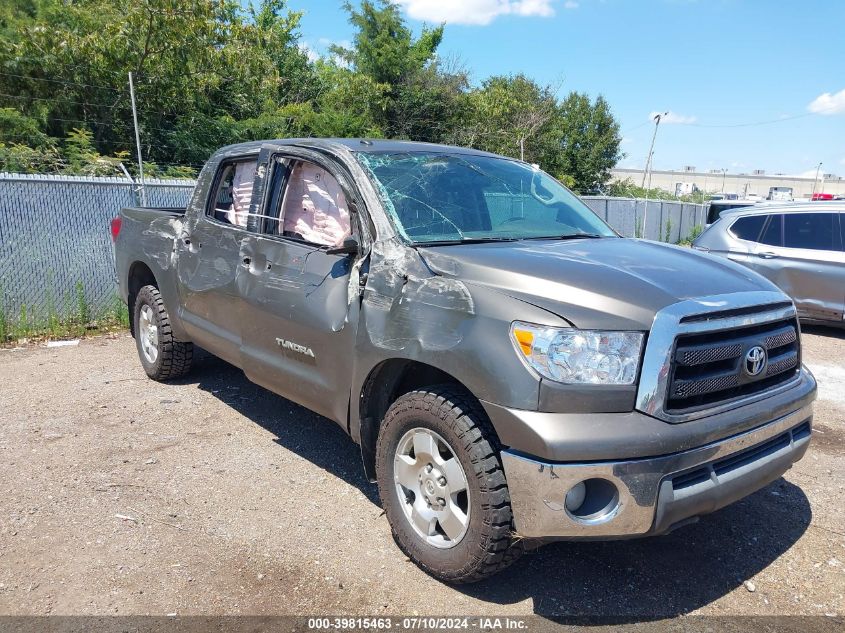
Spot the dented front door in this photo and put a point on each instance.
(299, 310)
(298, 327)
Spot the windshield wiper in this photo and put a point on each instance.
(466, 240)
(568, 236)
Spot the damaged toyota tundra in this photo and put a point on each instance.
(514, 371)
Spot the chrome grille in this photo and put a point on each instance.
(709, 368)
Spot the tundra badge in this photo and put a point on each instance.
(296, 347)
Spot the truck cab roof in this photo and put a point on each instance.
(361, 145)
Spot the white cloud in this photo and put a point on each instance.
(827, 103)
(310, 53)
(673, 118)
(478, 12)
(570, 4)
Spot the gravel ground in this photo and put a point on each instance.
(119, 495)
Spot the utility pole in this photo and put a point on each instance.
(657, 118)
(724, 173)
(647, 172)
(815, 180)
(137, 140)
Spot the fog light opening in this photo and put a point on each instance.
(592, 501)
(575, 497)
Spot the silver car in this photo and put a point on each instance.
(798, 246)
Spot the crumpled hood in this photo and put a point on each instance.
(594, 283)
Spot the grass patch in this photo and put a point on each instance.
(26, 327)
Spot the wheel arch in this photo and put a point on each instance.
(386, 382)
(140, 275)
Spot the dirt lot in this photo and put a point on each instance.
(212, 496)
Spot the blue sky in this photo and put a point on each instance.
(720, 67)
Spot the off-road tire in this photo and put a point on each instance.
(488, 546)
(174, 357)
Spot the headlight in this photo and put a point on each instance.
(579, 356)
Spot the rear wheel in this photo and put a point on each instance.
(162, 357)
(443, 487)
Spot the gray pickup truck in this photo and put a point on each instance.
(513, 370)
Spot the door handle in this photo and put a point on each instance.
(768, 255)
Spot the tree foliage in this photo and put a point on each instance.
(211, 72)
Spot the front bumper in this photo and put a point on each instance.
(656, 494)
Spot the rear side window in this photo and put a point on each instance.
(233, 193)
(772, 234)
(748, 228)
(718, 208)
(810, 230)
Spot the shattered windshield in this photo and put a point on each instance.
(447, 198)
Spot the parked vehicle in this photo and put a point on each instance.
(718, 207)
(513, 370)
(796, 246)
(782, 194)
(822, 196)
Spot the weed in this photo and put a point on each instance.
(4, 322)
(692, 235)
(83, 309)
(80, 320)
(667, 233)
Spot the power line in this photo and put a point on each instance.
(60, 81)
(112, 125)
(735, 125)
(40, 61)
(636, 127)
(60, 100)
(753, 124)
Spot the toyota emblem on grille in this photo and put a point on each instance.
(755, 361)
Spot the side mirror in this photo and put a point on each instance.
(349, 246)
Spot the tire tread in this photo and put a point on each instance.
(496, 548)
(175, 357)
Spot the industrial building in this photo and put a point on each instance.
(757, 183)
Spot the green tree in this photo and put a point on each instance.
(512, 116)
(384, 47)
(197, 67)
(589, 140)
(16, 127)
(576, 139)
(212, 72)
(420, 100)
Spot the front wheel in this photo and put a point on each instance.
(162, 357)
(443, 486)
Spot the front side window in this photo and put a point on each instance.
(809, 230)
(313, 208)
(435, 197)
(234, 192)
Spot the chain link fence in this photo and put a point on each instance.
(56, 254)
(57, 258)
